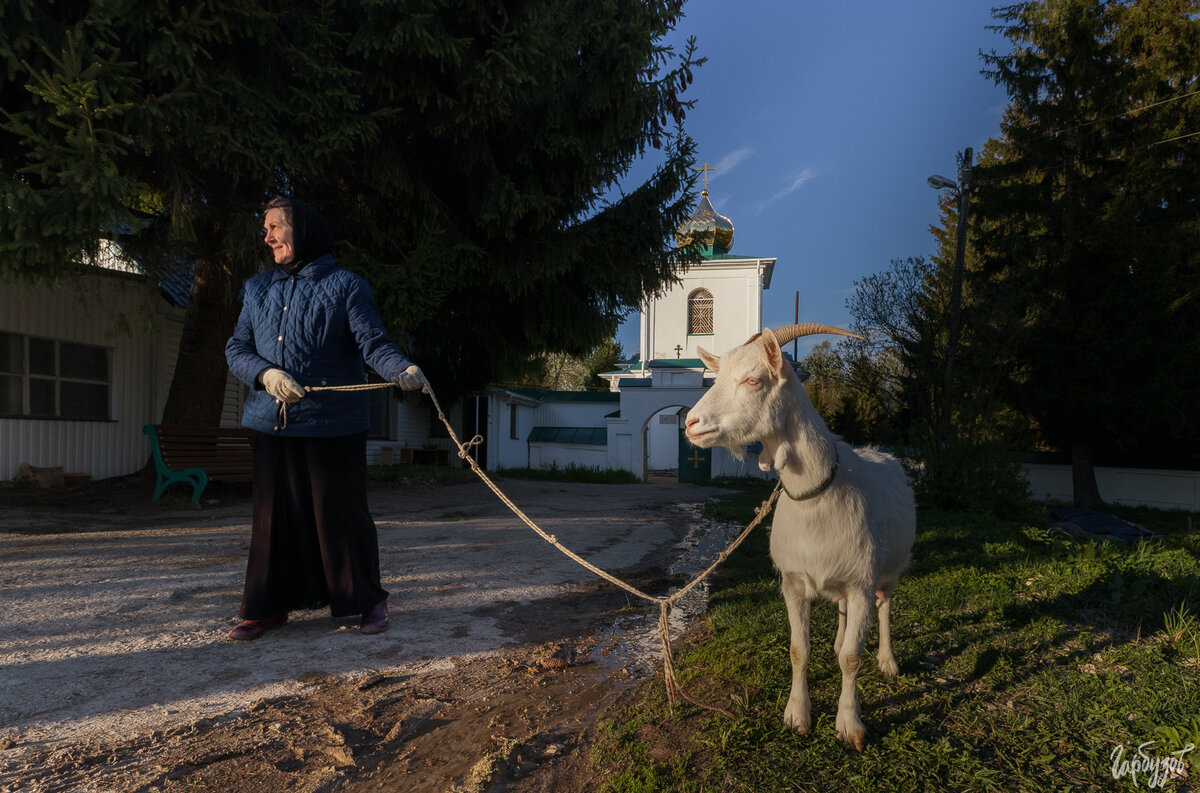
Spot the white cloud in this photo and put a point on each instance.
(796, 183)
(730, 161)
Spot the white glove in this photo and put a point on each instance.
(411, 379)
(280, 385)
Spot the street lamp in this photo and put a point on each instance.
(962, 189)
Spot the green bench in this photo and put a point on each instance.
(199, 455)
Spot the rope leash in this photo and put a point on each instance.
(665, 604)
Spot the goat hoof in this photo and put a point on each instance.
(853, 732)
(888, 667)
(859, 742)
(798, 720)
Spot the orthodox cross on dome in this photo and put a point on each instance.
(704, 169)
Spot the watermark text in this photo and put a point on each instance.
(1154, 771)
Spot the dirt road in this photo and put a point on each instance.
(117, 674)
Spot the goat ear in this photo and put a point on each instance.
(713, 362)
(773, 351)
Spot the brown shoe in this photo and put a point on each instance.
(252, 629)
(375, 620)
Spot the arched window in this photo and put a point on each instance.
(700, 312)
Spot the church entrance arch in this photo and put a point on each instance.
(660, 441)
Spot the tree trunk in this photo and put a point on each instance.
(197, 392)
(1083, 477)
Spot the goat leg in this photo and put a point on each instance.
(884, 659)
(795, 595)
(841, 634)
(858, 623)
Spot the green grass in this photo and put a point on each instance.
(453, 475)
(1025, 659)
(572, 473)
(422, 474)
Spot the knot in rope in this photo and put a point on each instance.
(464, 449)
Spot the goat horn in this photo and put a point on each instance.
(784, 335)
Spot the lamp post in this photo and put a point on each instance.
(962, 189)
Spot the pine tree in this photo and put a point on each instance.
(463, 154)
(1070, 271)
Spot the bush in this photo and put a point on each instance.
(971, 476)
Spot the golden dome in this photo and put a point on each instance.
(713, 232)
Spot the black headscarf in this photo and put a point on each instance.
(312, 236)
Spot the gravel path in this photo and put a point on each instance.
(119, 627)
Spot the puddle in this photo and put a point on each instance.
(633, 641)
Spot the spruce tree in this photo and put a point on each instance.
(465, 154)
(1085, 235)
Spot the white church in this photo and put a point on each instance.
(638, 425)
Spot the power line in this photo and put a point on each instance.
(1114, 156)
(1169, 140)
(1129, 112)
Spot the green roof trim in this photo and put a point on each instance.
(547, 395)
(710, 256)
(672, 363)
(591, 436)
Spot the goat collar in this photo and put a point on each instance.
(819, 489)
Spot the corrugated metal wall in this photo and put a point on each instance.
(114, 311)
(235, 398)
(412, 423)
(573, 414)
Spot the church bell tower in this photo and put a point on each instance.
(717, 303)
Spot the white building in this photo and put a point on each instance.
(85, 362)
(717, 304)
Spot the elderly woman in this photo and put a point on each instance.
(308, 322)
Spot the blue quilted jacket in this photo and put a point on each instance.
(318, 326)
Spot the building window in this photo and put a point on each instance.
(50, 379)
(700, 312)
(512, 423)
(380, 413)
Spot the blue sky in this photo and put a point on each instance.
(823, 121)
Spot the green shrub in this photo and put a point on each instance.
(969, 476)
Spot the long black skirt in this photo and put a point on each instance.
(313, 542)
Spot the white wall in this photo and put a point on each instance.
(505, 451)
(544, 455)
(115, 311)
(412, 420)
(736, 286)
(572, 414)
(1165, 489)
(662, 438)
(632, 437)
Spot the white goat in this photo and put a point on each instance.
(844, 528)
